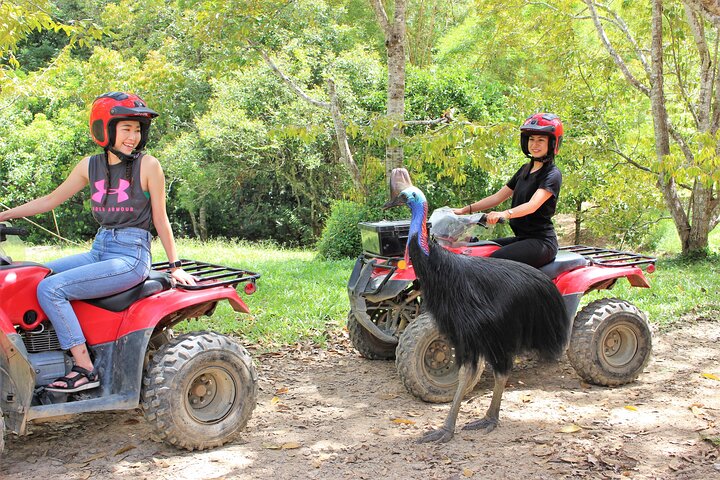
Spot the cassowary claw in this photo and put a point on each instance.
(440, 435)
(486, 423)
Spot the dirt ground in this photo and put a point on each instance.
(330, 414)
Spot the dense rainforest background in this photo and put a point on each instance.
(280, 119)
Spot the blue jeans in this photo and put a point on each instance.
(118, 260)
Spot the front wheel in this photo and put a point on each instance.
(391, 316)
(2, 432)
(199, 390)
(367, 344)
(425, 361)
(611, 342)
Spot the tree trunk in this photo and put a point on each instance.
(660, 122)
(578, 221)
(203, 222)
(395, 44)
(193, 220)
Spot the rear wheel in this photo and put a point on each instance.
(200, 390)
(611, 342)
(391, 316)
(426, 362)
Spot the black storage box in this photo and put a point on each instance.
(386, 238)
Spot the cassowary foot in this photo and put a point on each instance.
(487, 424)
(440, 435)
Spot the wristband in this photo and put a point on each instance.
(175, 264)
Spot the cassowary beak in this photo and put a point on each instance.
(399, 181)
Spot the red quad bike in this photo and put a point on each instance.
(198, 390)
(610, 342)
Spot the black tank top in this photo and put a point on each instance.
(123, 203)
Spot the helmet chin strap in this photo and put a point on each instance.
(122, 156)
(544, 159)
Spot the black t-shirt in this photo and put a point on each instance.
(538, 224)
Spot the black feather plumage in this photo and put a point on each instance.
(490, 309)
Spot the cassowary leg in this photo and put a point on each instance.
(447, 431)
(492, 416)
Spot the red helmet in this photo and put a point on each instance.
(110, 108)
(542, 124)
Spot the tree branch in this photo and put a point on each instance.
(289, 81)
(704, 101)
(448, 116)
(710, 9)
(381, 16)
(616, 57)
(333, 107)
(620, 23)
(346, 156)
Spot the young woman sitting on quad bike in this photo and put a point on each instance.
(127, 196)
(534, 189)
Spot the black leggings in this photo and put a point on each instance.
(533, 251)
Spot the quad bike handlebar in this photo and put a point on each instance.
(450, 229)
(5, 230)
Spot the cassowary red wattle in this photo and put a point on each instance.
(490, 309)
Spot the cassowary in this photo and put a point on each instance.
(490, 309)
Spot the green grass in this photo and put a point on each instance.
(300, 297)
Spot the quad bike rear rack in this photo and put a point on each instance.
(209, 275)
(610, 258)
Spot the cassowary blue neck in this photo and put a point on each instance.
(418, 225)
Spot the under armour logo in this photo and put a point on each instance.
(120, 191)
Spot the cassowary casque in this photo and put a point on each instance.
(490, 309)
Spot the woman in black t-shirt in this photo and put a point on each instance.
(534, 189)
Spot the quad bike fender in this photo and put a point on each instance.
(375, 282)
(17, 381)
(176, 305)
(19, 294)
(597, 277)
(6, 326)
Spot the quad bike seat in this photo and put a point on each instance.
(564, 262)
(156, 282)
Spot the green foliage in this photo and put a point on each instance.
(242, 150)
(341, 236)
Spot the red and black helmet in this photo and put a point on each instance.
(110, 108)
(542, 124)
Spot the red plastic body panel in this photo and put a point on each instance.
(147, 312)
(19, 293)
(6, 326)
(582, 279)
(576, 281)
(407, 274)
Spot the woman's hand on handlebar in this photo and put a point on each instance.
(496, 217)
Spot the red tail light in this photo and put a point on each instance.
(250, 288)
(651, 268)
